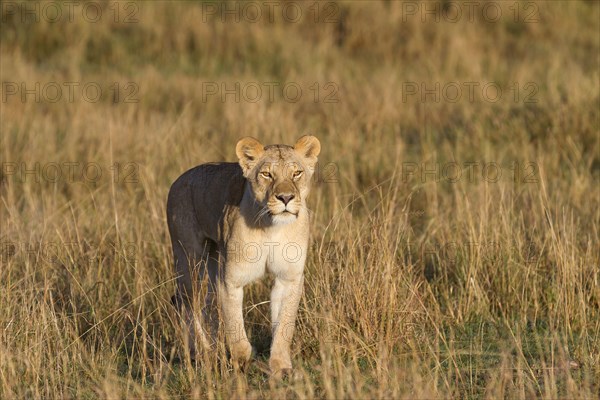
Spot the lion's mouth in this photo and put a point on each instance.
(287, 212)
(284, 212)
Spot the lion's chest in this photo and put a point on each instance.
(248, 260)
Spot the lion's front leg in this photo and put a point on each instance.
(231, 299)
(285, 298)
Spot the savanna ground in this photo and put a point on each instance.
(455, 238)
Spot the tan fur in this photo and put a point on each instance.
(232, 221)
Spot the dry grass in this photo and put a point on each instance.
(416, 287)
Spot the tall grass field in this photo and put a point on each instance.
(455, 237)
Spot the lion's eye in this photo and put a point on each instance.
(265, 175)
(298, 174)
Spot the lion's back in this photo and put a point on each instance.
(204, 192)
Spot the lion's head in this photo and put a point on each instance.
(279, 175)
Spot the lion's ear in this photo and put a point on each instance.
(248, 150)
(308, 147)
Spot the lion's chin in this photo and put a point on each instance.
(283, 218)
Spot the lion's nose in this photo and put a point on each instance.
(285, 198)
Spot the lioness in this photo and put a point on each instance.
(235, 221)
